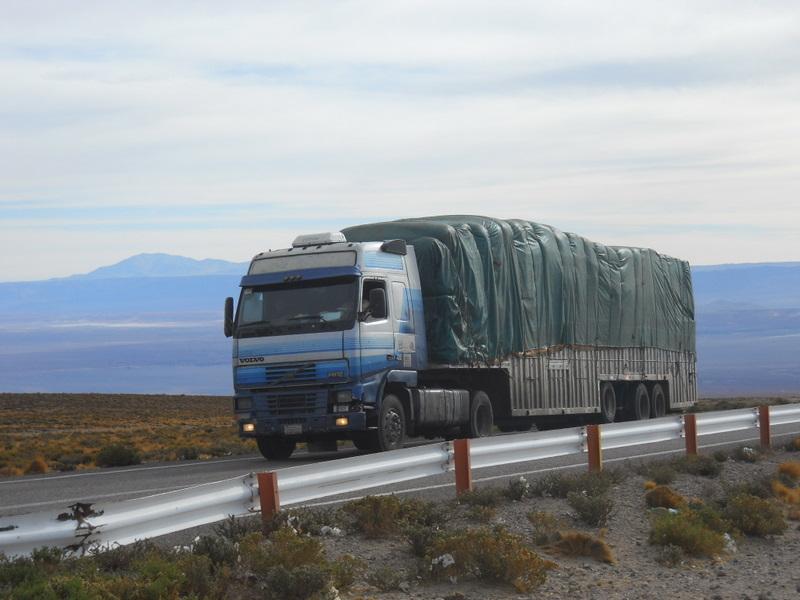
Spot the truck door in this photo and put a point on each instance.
(377, 334)
(403, 321)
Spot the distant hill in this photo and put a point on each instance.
(767, 285)
(165, 265)
(152, 323)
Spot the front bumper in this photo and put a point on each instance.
(302, 426)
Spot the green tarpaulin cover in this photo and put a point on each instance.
(493, 287)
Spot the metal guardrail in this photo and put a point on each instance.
(85, 526)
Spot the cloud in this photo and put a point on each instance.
(199, 127)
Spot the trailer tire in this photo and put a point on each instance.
(658, 401)
(638, 402)
(481, 416)
(608, 402)
(275, 448)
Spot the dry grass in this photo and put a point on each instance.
(67, 431)
(790, 470)
(664, 497)
(578, 543)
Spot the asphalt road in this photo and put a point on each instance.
(56, 491)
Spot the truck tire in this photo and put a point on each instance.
(658, 401)
(608, 402)
(275, 448)
(481, 416)
(638, 402)
(391, 430)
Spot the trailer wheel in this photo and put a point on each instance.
(481, 416)
(275, 448)
(608, 403)
(658, 401)
(638, 402)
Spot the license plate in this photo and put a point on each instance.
(292, 429)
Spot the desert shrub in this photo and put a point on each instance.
(486, 497)
(187, 453)
(379, 516)
(284, 548)
(719, 456)
(546, 527)
(234, 529)
(559, 485)
(650, 485)
(386, 578)
(120, 558)
(698, 464)
(493, 555)
(758, 486)
(670, 555)
(578, 543)
(755, 516)
(299, 583)
(660, 472)
(518, 489)
(711, 518)
(785, 493)
(117, 455)
(345, 570)
(686, 531)
(375, 516)
(790, 470)
(219, 550)
(304, 520)
(592, 510)
(794, 514)
(747, 454)
(38, 465)
(420, 538)
(664, 497)
(793, 445)
(481, 513)
(69, 462)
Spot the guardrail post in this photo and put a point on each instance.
(593, 446)
(463, 468)
(268, 496)
(690, 432)
(763, 426)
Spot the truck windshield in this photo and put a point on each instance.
(297, 307)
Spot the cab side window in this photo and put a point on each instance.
(369, 285)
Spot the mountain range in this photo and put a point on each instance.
(152, 323)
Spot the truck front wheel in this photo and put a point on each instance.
(481, 416)
(275, 448)
(391, 430)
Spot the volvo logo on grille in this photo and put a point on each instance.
(251, 360)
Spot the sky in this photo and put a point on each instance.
(211, 129)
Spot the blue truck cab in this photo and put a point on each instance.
(321, 331)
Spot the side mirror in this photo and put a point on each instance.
(228, 317)
(377, 303)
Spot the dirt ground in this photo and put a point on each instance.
(759, 568)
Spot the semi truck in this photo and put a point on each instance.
(455, 326)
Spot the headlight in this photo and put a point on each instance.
(343, 397)
(244, 403)
(248, 427)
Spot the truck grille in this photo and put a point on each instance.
(315, 403)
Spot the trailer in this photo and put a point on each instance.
(450, 326)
